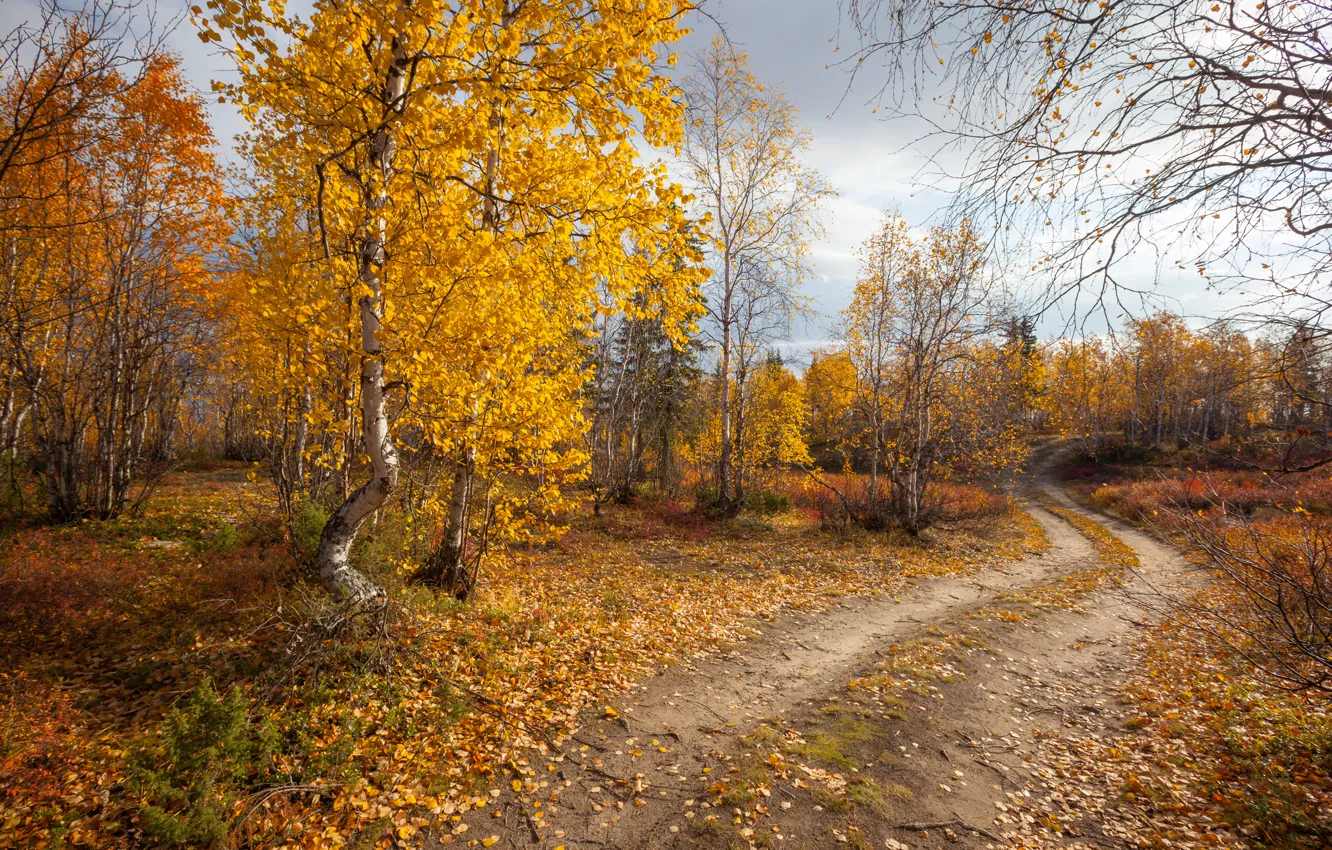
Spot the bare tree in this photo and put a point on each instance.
(1194, 133)
(764, 310)
(743, 154)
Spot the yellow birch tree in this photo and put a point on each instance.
(466, 179)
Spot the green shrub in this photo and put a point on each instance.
(767, 502)
(751, 523)
(226, 538)
(208, 753)
(307, 523)
(385, 543)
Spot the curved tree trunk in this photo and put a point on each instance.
(333, 555)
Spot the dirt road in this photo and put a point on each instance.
(765, 744)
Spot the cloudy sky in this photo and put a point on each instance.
(792, 44)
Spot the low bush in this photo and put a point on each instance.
(210, 752)
(767, 502)
(1118, 452)
(224, 539)
(307, 523)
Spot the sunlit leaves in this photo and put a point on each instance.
(515, 208)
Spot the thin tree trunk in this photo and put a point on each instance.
(448, 563)
(333, 555)
(724, 461)
(738, 438)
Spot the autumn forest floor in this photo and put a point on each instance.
(651, 681)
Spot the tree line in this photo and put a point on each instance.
(1159, 383)
(110, 202)
(444, 283)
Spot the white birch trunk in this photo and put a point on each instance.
(449, 560)
(333, 555)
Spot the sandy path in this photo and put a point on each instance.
(625, 779)
(801, 656)
(1060, 676)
